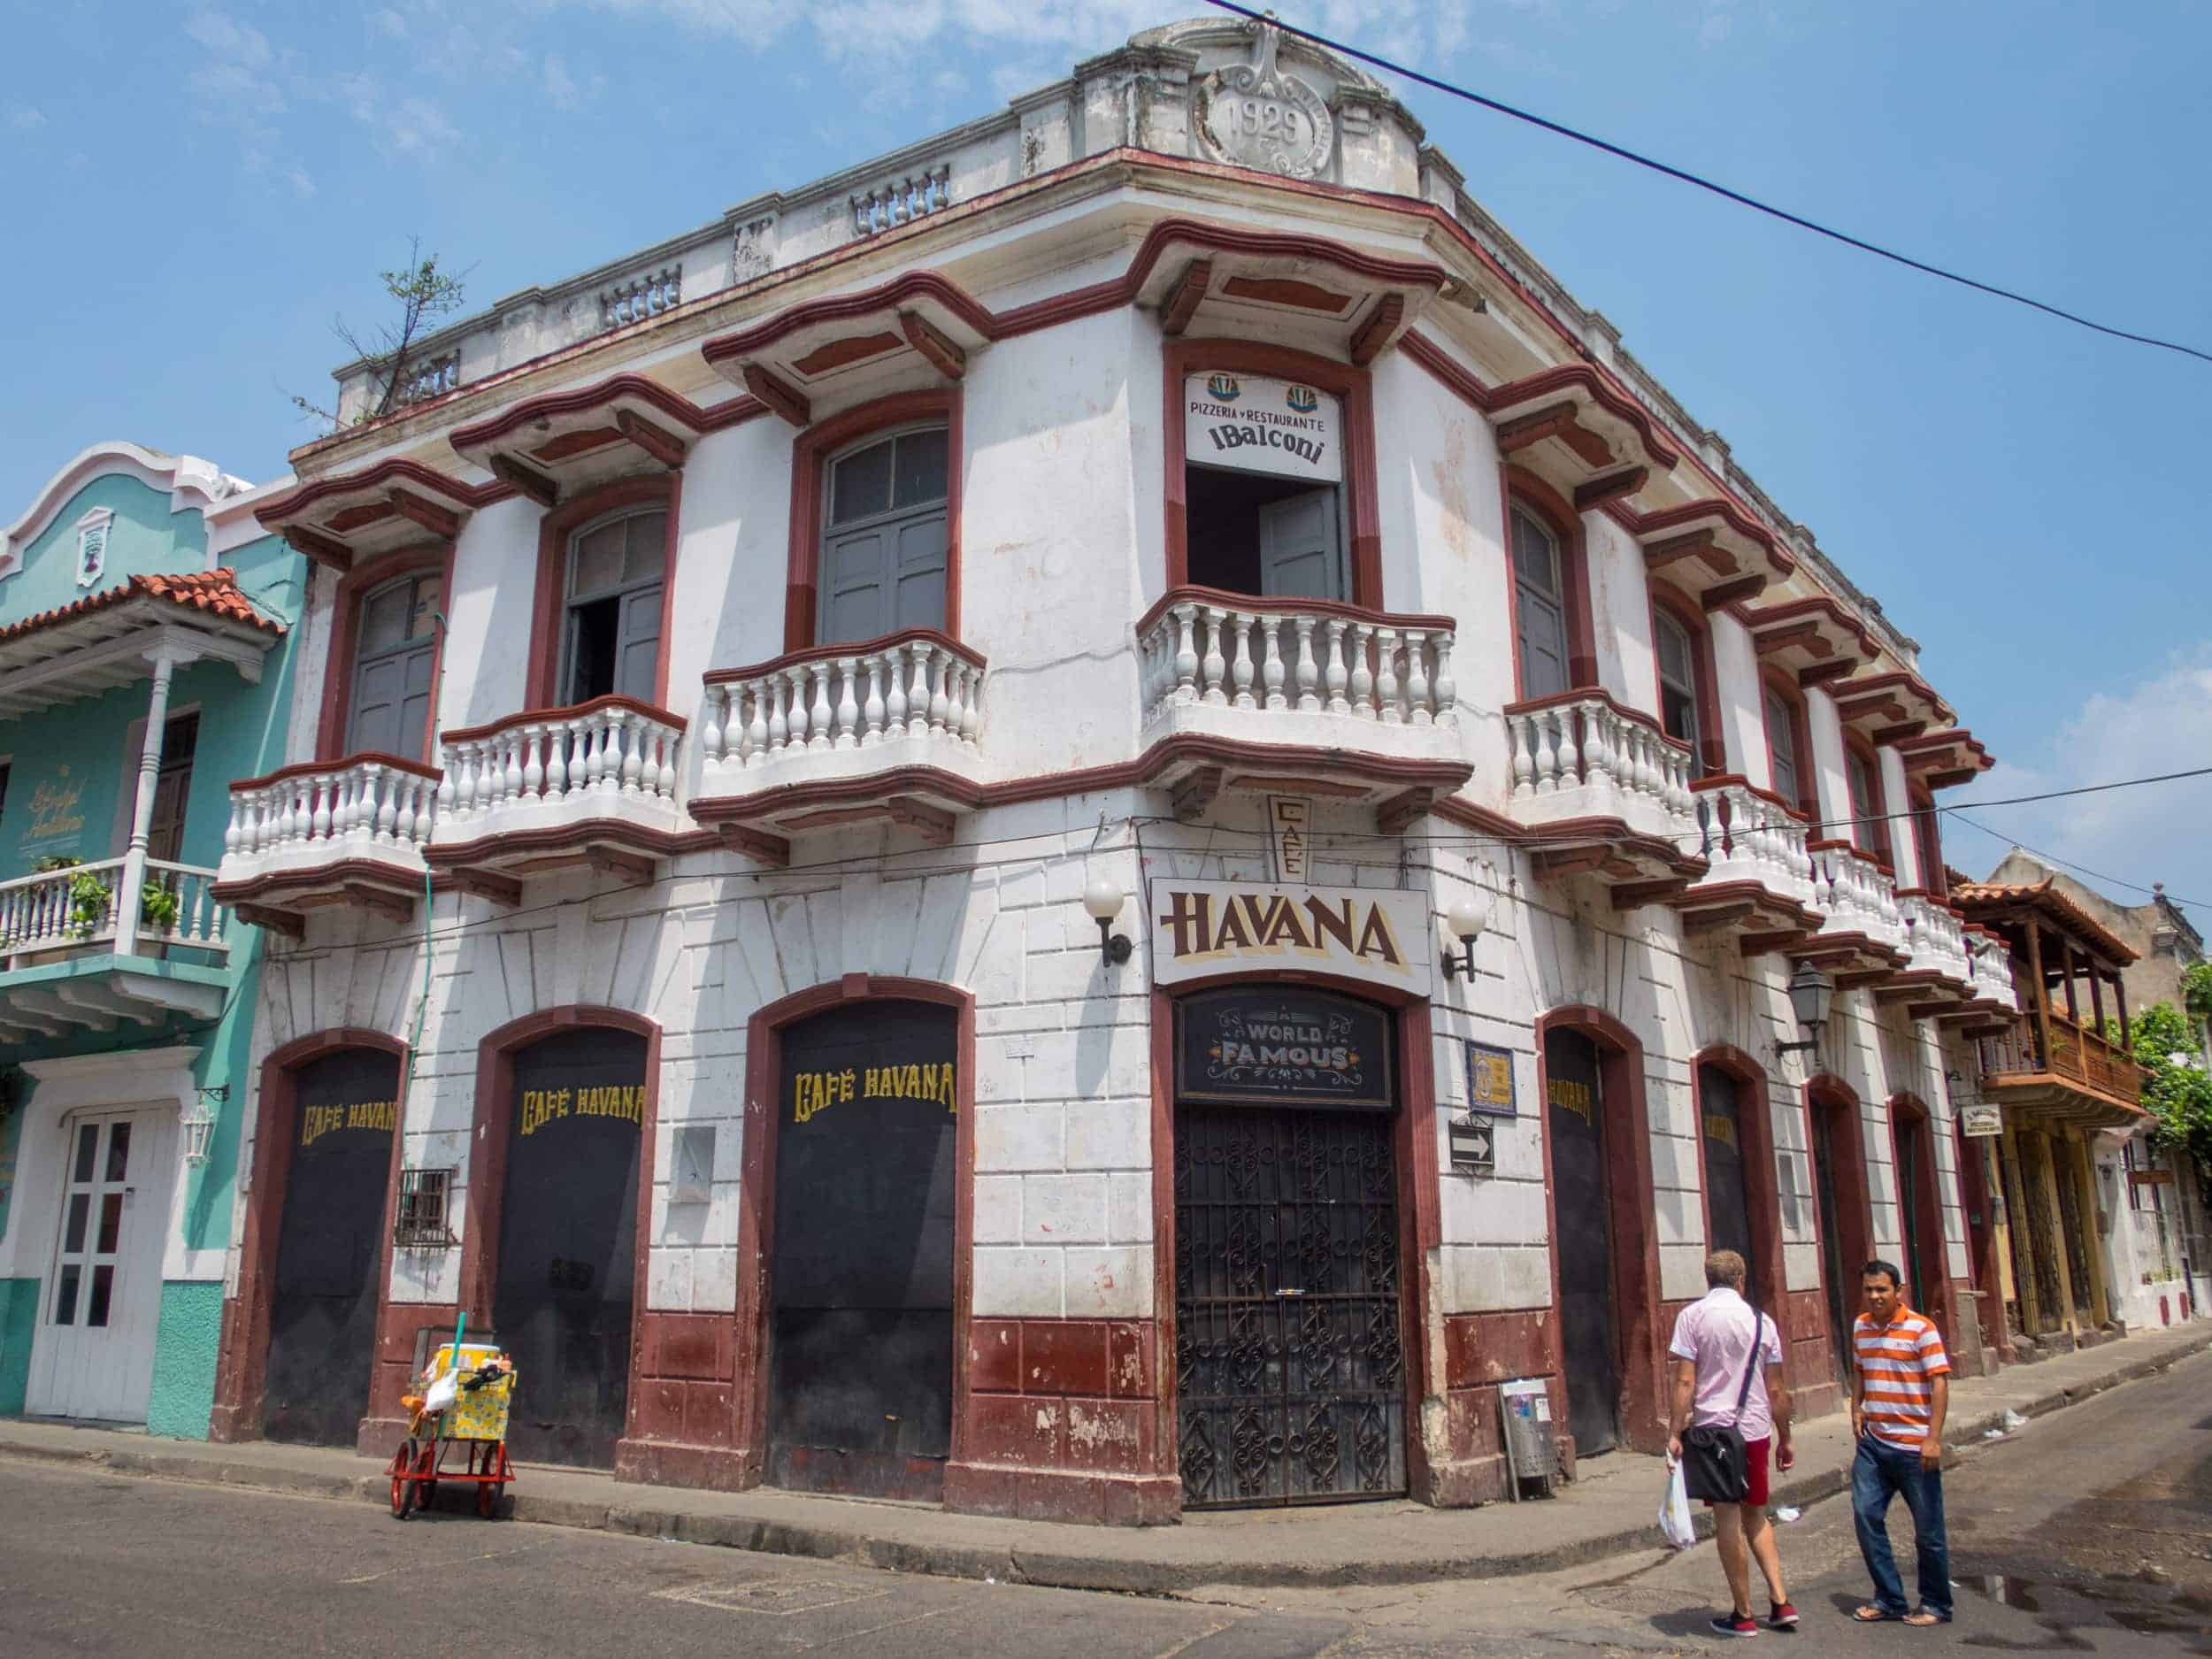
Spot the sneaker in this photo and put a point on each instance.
(1781, 1616)
(1734, 1624)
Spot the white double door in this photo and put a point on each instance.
(94, 1353)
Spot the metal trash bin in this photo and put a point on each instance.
(1532, 1452)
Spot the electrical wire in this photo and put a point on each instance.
(1683, 175)
(2084, 870)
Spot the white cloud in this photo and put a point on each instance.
(302, 185)
(389, 22)
(419, 127)
(25, 118)
(2161, 724)
(560, 86)
(229, 40)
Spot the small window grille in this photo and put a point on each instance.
(642, 297)
(433, 377)
(420, 1224)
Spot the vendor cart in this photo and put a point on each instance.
(466, 1442)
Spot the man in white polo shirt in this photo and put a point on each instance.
(1712, 1349)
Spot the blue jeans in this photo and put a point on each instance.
(1883, 1471)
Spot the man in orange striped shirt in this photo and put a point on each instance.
(1902, 1391)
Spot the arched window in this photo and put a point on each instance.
(611, 637)
(885, 536)
(394, 663)
(1540, 596)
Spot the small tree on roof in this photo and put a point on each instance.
(423, 293)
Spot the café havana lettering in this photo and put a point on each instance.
(318, 1121)
(1204, 928)
(813, 1092)
(1254, 422)
(544, 1106)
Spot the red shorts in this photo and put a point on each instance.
(1755, 1466)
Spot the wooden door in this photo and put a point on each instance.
(1301, 550)
(1727, 1186)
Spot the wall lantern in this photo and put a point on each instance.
(199, 1123)
(1464, 922)
(1103, 900)
(1811, 992)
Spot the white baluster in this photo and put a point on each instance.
(1186, 656)
(1444, 689)
(1570, 762)
(629, 733)
(918, 689)
(1212, 666)
(940, 704)
(1272, 668)
(1386, 677)
(971, 703)
(1546, 753)
(1335, 674)
(872, 710)
(820, 714)
(1417, 676)
(1524, 762)
(848, 732)
(1242, 672)
(1308, 674)
(1363, 685)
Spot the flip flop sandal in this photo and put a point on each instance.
(1875, 1616)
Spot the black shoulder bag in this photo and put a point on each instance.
(1715, 1465)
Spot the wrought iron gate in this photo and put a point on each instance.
(1289, 1362)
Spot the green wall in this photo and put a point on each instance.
(18, 1313)
(185, 1349)
(70, 768)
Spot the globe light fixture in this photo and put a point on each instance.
(1103, 900)
(1464, 922)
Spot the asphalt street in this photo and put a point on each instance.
(2090, 1531)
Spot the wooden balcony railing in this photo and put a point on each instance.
(2077, 1055)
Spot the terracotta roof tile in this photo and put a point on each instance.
(215, 591)
(2061, 911)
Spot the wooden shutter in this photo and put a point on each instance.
(853, 584)
(919, 600)
(391, 703)
(1299, 547)
(637, 652)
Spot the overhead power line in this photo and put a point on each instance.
(1685, 176)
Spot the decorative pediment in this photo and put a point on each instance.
(1580, 435)
(851, 345)
(338, 519)
(1301, 291)
(1941, 759)
(561, 442)
(1815, 639)
(1889, 707)
(1710, 550)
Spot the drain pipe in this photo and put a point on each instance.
(422, 1004)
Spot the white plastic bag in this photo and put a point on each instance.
(442, 1392)
(1674, 1511)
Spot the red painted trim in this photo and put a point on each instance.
(1254, 604)
(757, 1221)
(574, 710)
(1639, 1330)
(1712, 741)
(883, 299)
(542, 665)
(486, 434)
(861, 647)
(242, 1364)
(280, 510)
(1351, 387)
(1760, 1186)
(1872, 837)
(486, 1173)
(1525, 489)
(345, 627)
(301, 769)
(812, 451)
(1547, 384)
(1821, 612)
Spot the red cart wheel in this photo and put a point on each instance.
(403, 1488)
(489, 1493)
(427, 1476)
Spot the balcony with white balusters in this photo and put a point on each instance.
(887, 730)
(597, 784)
(1862, 939)
(1603, 792)
(1758, 889)
(1240, 692)
(346, 833)
(1937, 977)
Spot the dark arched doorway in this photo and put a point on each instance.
(323, 1292)
(1840, 1196)
(563, 1292)
(862, 1272)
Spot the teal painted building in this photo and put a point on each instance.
(147, 624)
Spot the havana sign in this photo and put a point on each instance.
(1201, 929)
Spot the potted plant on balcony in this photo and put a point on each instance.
(73, 909)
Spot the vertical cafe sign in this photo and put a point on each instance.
(1254, 422)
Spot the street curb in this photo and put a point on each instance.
(1056, 1570)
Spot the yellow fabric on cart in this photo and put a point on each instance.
(480, 1415)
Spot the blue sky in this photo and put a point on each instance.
(192, 191)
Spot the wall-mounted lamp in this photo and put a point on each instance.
(199, 1123)
(1103, 900)
(1811, 992)
(1464, 923)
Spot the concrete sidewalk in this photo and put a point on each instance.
(1611, 1510)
